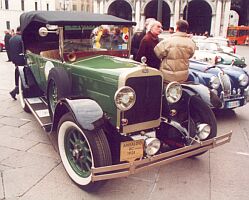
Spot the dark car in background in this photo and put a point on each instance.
(231, 84)
(114, 116)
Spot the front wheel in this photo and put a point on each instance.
(201, 113)
(81, 150)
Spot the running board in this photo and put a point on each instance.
(39, 108)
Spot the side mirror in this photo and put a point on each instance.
(43, 31)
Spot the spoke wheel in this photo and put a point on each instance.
(78, 153)
(81, 150)
(52, 95)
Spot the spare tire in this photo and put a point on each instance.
(59, 86)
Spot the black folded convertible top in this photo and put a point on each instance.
(69, 18)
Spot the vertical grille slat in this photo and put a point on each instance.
(148, 99)
(225, 83)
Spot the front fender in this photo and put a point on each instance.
(204, 93)
(86, 112)
(27, 76)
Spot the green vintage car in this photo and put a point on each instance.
(114, 116)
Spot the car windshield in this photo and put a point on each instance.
(92, 38)
(208, 46)
(220, 41)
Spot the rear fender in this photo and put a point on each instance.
(204, 93)
(86, 112)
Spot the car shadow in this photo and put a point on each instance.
(225, 114)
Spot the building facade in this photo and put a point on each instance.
(202, 15)
(10, 11)
(240, 12)
(74, 5)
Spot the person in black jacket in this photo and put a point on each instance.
(16, 54)
(7, 37)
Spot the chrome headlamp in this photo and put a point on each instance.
(243, 79)
(125, 98)
(152, 145)
(214, 82)
(173, 92)
(203, 131)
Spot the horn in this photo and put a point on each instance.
(71, 57)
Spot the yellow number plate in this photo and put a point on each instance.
(131, 150)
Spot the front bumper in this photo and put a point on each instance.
(229, 103)
(126, 169)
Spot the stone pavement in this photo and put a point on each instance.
(31, 169)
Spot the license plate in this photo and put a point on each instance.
(233, 104)
(131, 150)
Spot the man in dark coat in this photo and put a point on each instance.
(138, 36)
(148, 43)
(6, 42)
(16, 54)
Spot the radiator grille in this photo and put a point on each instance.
(225, 83)
(148, 99)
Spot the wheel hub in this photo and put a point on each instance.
(77, 153)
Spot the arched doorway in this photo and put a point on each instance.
(233, 18)
(241, 7)
(151, 11)
(198, 13)
(120, 8)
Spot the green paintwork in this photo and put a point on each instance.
(94, 77)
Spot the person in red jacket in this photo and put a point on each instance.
(148, 43)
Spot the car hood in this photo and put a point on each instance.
(200, 66)
(230, 57)
(110, 65)
(232, 70)
(215, 69)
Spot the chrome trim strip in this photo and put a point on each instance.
(141, 126)
(126, 169)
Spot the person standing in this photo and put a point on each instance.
(148, 43)
(16, 50)
(138, 36)
(171, 30)
(175, 52)
(7, 37)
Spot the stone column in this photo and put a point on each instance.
(101, 7)
(95, 7)
(226, 17)
(218, 18)
(176, 13)
(137, 14)
(212, 30)
(142, 21)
